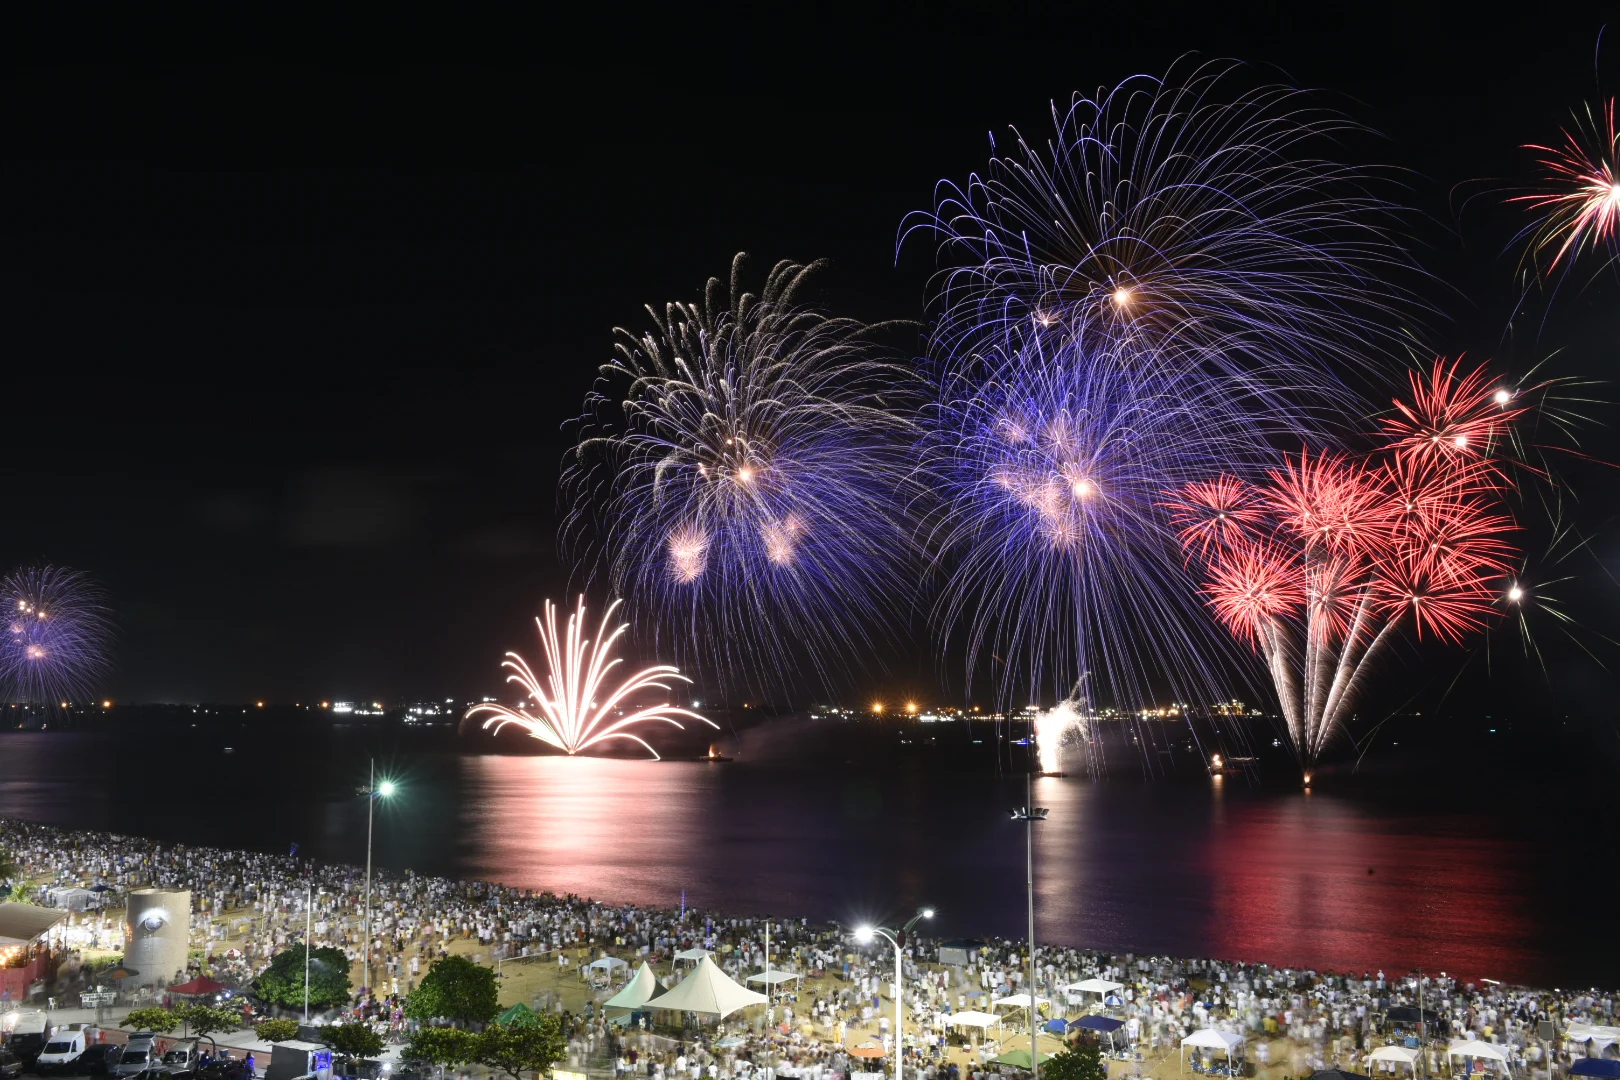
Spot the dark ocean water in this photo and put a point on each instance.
(1495, 877)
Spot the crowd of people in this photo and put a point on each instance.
(248, 906)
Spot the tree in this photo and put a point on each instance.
(282, 983)
(203, 1020)
(355, 1040)
(443, 1046)
(276, 1030)
(1078, 1063)
(529, 1046)
(455, 989)
(151, 1018)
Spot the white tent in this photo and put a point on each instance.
(707, 990)
(637, 992)
(1094, 986)
(970, 1018)
(1210, 1039)
(692, 954)
(1476, 1048)
(1405, 1054)
(774, 976)
(1600, 1036)
(607, 963)
(1018, 1001)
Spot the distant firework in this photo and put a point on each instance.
(743, 475)
(1579, 194)
(1318, 567)
(58, 636)
(578, 704)
(1194, 215)
(1054, 727)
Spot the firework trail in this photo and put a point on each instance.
(1189, 213)
(743, 472)
(1333, 555)
(59, 634)
(579, 704)
(1578, 201)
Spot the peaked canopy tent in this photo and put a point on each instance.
(1478, 1050)
(517, 1015)
(1075, 992)
(708, 991)
(693, 954)
(1405, 1054)
(642, 988)
(607, 963)
(1210, 1039)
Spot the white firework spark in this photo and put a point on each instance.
(577, 705)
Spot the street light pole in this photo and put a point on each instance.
(309, 926)
(864, 934)
(1029, 814)
(372, 791)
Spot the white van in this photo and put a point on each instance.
(62, 1049)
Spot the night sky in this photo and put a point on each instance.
(294, 313)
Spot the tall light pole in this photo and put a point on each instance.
(1029, 814)
(309, 926)
(897, 938)
(372, 791)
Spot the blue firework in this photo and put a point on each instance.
(1194, 214)
(56, 642)
(1055, 452)
(742, 479)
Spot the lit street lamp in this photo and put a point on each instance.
(1029, 814)
(372, 791)
(897, 938)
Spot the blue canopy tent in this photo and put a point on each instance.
(1601, 1067)
(1058, 1026)
(1102, 1025)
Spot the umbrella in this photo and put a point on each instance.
(101, 888)
(198, 987)
(517, 1014)
(1059, 1026)
(121, 972)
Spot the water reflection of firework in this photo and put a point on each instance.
(578, 705)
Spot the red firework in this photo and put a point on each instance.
(1581, 198)
(1452, 417)
(1214, 514)
(1318, 566)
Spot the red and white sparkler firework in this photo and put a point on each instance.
(1321, 565)
(1581, 196)
(578, 705)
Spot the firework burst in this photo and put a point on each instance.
(1191, 213)
(579, 704)
(1350, 551)
(1579, 199)
(743, 472)
(58, 636)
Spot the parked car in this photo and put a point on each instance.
(11, 1065)
(61, 1053)
(99, 1059)
(183, 1057)
(139, 1056)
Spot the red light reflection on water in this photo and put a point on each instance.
(1311, 881)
